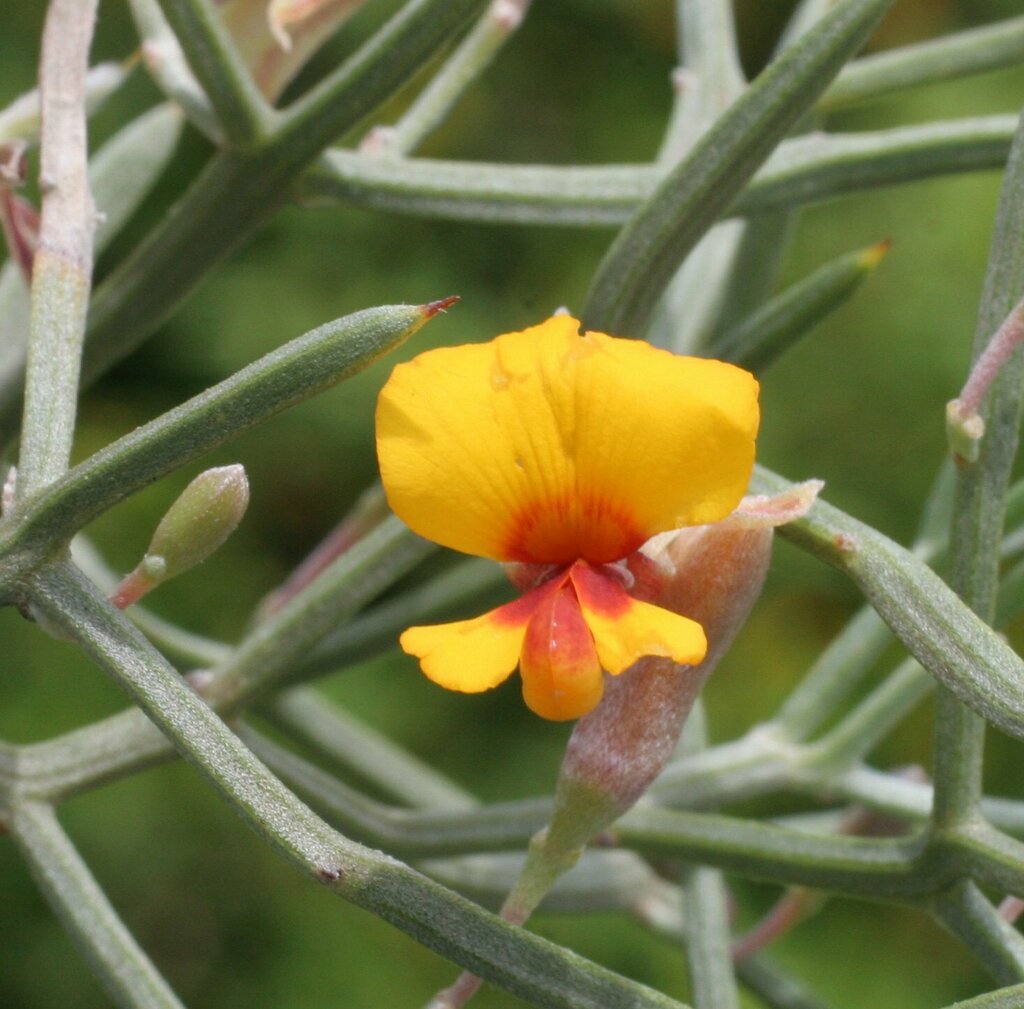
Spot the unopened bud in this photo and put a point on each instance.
(205, 514)
(712, 574)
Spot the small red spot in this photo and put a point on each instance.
(328, 875)
(433, 307)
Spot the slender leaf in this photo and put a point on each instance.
(302, 368)
(700, 188)
(776, 326)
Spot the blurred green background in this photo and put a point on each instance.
(859, 404)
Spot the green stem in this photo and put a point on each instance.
(347, 742)
(442, 921)
(62, 268)
(244, 117)
(869, 722)
(881, 869)
(404, 45)
(970, 52)
(801, 171)
(459, 71)
(273, 649)
(980, 502)
(969, 915)
(774, 985)
(648, 250)
(946, 637)
(708, 953)
(769, 332)
(125, 971)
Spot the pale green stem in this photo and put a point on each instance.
(459, 71)
(970, 916)
(664, 230)
(124, 970)
(274, 648)
(709, 77)
(706, 931)
(121, 174)
(708, 951)
(975, 51)
(870, 721)
(435, 917)
(775, 986)
(802, 170)
(770, 330)
(369, 510)
(243, 115)
(165, 61)
(62, 272)
(947, 638)
(20, 119)
(980, 501)
(335, 734)
(301, 368)
(707, 81)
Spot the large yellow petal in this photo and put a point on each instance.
(472, 655)
(626, 629)
(545, 446)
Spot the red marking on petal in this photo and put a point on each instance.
(562, 530)
(562, 676)
(603, 593)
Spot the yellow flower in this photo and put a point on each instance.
(563, 452)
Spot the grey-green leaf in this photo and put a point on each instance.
(301, 368)
(700, 189)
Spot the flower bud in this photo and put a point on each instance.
(205, 514)
(712, 574)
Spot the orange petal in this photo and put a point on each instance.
(545, 446)
(562, 677)
(472, 655)
(626, 629)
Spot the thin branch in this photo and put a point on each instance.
(242, 113)
(63, 265)
(123, 968)
(441, 920)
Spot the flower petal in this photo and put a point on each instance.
(562, 676)
(545, 446)
(626, 629)
(472, 655)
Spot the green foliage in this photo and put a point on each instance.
(196, 185)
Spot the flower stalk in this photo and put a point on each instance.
(714, 573)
